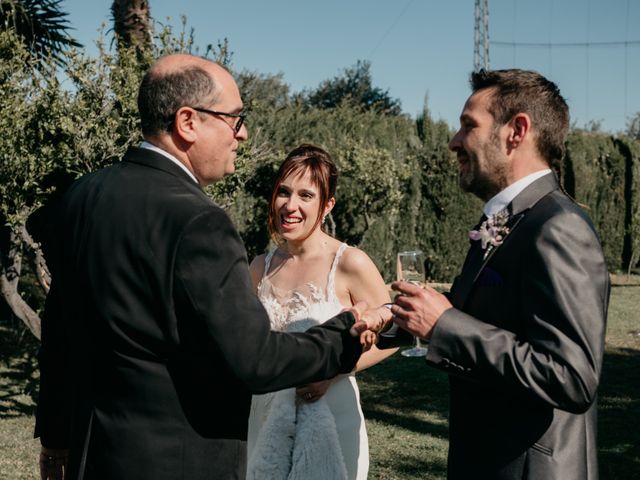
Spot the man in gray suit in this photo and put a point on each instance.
(522, 331)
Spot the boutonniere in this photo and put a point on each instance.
(492, 231)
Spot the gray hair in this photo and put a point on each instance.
(162, 94)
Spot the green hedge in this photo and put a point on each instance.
(400, 191)
(446, 212)
(398, 188)
(598, 172)
(631, 250)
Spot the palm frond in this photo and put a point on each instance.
(41, 25)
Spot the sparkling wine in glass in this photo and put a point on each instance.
(411, 269)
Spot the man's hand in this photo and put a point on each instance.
(417, 309)
(53, 463)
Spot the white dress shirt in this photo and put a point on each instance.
(501, 200)
(151, 146)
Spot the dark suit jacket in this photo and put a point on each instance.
(524, 346)
(153, 339)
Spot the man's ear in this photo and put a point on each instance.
(184, 124)
(520, 127)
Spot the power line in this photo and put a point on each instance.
(626, 46)
(384, 36)
(565, 44)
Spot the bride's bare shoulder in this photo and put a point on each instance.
(355, 261)
(361, 279)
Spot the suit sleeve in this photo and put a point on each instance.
(563, 295)
(53, 416)
(212, 280)
(53, 413)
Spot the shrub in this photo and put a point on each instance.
(595, 172)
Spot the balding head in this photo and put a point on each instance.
(174, 81)
(174, 63)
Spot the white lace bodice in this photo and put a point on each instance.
(302, 307)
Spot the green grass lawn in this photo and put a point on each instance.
(404, 401)
(18, 382)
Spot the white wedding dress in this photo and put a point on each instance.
(292, 439)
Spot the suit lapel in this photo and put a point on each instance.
(470, 270)
(476, 259)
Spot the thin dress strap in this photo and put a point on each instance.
(331, 282)
(267, 262)
(262, 287)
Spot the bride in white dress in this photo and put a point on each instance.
(316, 431)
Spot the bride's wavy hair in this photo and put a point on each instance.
(324, 175)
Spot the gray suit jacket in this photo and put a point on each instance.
(524, 344)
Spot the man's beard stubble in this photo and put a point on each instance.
(488, 182)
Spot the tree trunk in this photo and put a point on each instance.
(10, 270)
(132, 24)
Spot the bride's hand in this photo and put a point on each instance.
(378, 318)
(313, 391)
(368, 339)
(374, 319)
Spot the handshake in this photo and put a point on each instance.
(416, 309)
(370, 322)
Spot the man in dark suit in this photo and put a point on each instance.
(153, 339)
(522, 331)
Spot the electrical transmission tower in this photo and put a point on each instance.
(481, 36)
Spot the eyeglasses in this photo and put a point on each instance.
(237, 123)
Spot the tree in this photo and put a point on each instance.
(354, 87)
(40, 26)
(50, 135)
(263, 91)
(132, 25)
(633, 127)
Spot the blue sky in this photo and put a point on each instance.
(419, 47)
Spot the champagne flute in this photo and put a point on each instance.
(411, 269)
